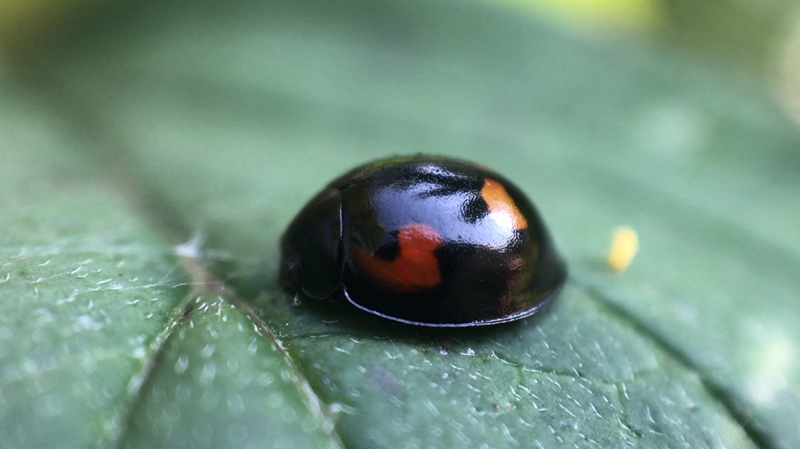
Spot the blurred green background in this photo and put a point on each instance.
(758, 38)
(151, 154)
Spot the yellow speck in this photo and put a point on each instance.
(624, 246)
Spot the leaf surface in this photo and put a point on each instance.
(222, 122)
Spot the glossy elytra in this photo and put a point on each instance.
(424, 240)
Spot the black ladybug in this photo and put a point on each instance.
(429, 241)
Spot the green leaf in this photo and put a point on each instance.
(223, 385)
(180, 121)
(87, 290)
(102, 342)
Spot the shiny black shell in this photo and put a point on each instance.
(428, 241)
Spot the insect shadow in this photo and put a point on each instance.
(342, 316)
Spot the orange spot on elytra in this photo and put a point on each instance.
(415, 268)
(501, 206)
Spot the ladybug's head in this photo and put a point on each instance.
(290, 267)
(311, 248)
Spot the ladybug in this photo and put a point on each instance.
(428, 241)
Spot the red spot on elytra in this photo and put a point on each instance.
(415, 268)
(501, 206)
